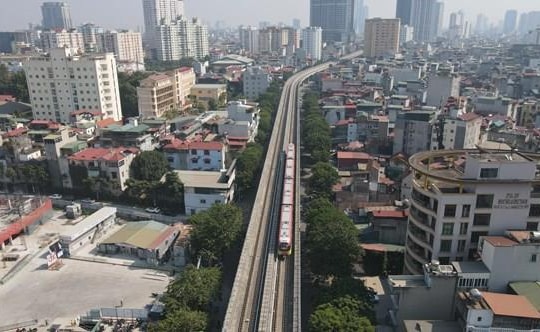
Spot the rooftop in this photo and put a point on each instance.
(510, 305)
(353, 155)
(177, 144)
(198, 179)
(209, 86)
(89, 222)
(127, 128)
(531, 290)
(143, 234)
(109, 154)
(470, 267)
(500, 241)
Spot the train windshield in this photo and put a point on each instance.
(284, 246)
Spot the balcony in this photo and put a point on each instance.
(416, 252)
(420, 218)
(412, 266)
(420, 237)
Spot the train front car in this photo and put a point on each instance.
(286, 224)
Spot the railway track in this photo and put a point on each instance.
(266, 294)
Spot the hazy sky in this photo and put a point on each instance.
(17, 14)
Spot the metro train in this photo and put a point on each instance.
(286, 217)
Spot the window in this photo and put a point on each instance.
(475, 236)
(532, 226)
(463, 228)
(461, 245)
(484, 201)
(207, 161)
(206, 152)
(450, 210)
(444, 260)
(446, 245)
(203, 201)
(489, 173)
(534, 211)
(466, 211)
(193, 151)
(114, 175)
(448, 228)
(481, 219)
(533, 258)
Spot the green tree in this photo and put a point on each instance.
(317, 207)
(182, 320)
(212, 104)
(247, 165)
(97, 185)
(149, 166)
(194, 289)
(342, 315)
(355, 288)
(215, 231)
(323, 177)
(201, 107)
(170, 194)
(168, 65)
(332, 244)
(139, 192)
(127, 86)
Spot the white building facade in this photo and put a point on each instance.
(65, 81)
(63, 38)
(181, 39)
(464, 195)
(126, 45)
(256, 81)
(312, 42)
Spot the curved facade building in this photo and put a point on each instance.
(459, 196)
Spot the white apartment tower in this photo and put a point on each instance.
(126, 45)
(159, 13)
(249, 39)
(56, 15)
(312, 42)
(64, 81)
(256, 81)
(459, 196)
(63, 38)
(184, 38)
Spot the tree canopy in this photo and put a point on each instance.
(316, 133)
(323, 177)
(149, 166)
(14, 83)
(127, 86)
(332, 244)
(215, 231)
(247, 166)
(343, 314)
(182, 320)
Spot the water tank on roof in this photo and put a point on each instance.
(475, 294)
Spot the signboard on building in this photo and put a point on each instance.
(511, 201)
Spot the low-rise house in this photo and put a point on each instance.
(131, 134)
(204, 189)
(187, 155)
(111, 164)
(206, 92)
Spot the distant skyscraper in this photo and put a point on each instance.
(359, 17)
(312, 42)
(403, 11)
(296, 23)
(456, 27)
(437, 23)
(422, 15)
(249, 39)
(335, 17)
(381, 37)
(56, 16)
(481, 24)
(159, 12)
(510, 21)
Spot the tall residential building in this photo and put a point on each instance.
(275, 39)
(460, 196)
(482, 24)
(256, 81)
(413, 130)
(56, 15)
(90, 34)
(423, 15)
(510, 21)
(65, 81)
(456, 27)
(182, 39)
(335, 17)
(126, 45)
(437, 21)
(158, 13)
(58, 39)
(162, 92)
(359, 18)
(249, 39)
(312, 42)
(381, 37)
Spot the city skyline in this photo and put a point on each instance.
(133, 17)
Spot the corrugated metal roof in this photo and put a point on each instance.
(142, 234)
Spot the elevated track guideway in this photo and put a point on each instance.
(266, 291)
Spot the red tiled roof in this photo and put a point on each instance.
(500, 241)
(7, 98)
(510, 305)
(353, 155)
(469, 116)
(105, 122)
(184, 69)
(15, 132)
(373, 247)
(177, 144)
(115, 154)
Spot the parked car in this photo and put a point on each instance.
(153, 210)
(88, 201)
(55, 196)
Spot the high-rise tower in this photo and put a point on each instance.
(56, 16)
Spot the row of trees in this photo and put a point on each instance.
(316, 133)
(14, 83)
(331, 244)
(34, 175)
(127, 86)
(188, 300)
